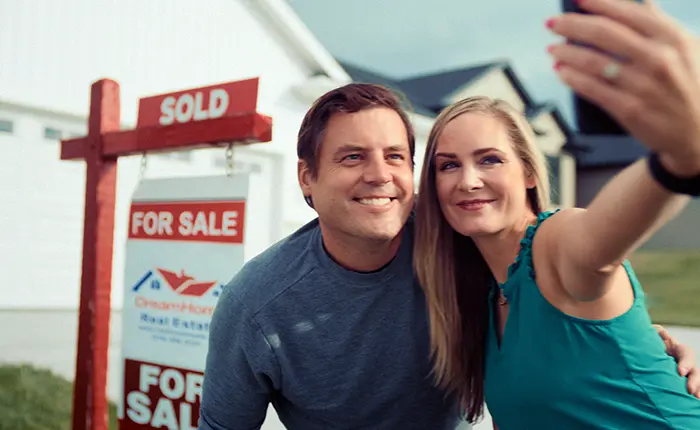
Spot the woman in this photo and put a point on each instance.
(538, 312)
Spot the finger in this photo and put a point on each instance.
(604, 34)
(685, 356)
(664, 64)
(645, 18)
(694, 383)
(621, 105)
(594, 63)
(661, 330)
(665, 335)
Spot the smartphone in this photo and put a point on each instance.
(590, 119)
(572, 6)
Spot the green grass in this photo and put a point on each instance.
(671, 282)
(36, 399)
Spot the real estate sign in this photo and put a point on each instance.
(185, 241)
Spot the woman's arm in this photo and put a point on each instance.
(589, 244)
(655, 95)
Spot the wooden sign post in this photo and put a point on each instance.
(216, 115)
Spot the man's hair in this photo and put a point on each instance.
(349, 98)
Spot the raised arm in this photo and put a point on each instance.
(241, 370)
(591, 243)
(650, 84)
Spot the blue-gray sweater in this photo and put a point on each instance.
(328, 347)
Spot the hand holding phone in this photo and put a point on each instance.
(590, 119)
(650, 82)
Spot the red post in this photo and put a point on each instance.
(240, 124)
(89, 398)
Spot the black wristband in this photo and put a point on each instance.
(673, 183)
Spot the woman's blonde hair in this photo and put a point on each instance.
(452, 272)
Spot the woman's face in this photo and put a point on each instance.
(480, 180)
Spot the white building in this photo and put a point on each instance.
(148, 48)
(51, 53)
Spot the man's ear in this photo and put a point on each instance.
(305, 178)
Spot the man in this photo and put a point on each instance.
(329, 324)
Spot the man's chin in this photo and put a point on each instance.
(384, 234)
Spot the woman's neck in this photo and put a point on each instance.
(500, 250)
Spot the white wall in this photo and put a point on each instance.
(50, 54)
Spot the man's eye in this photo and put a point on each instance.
(352, 157)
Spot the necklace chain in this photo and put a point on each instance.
(502, 298)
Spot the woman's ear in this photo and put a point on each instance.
(530, 180)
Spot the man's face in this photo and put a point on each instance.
(364, 185)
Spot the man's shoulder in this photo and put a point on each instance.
(271, 272)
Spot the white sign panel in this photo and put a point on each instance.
(185, 242)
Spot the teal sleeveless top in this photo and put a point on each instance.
(554, 371)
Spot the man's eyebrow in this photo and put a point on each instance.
(349, 148)
(356, 148)
(397, 148)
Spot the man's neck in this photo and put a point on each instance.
(358, 254)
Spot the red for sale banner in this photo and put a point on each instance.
(157, 396)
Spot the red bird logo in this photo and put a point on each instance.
(184, 284)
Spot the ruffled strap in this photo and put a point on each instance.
(523, 261)
(525, 253)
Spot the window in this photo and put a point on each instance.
(554, 179)
(6, 126)
(52, 133)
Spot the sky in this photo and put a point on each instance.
(402, 38)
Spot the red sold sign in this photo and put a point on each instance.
(214, 101)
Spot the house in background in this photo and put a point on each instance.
(600, 158)
(428, 94)
(44, 97)
(579, 165)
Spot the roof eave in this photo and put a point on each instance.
(292, 31)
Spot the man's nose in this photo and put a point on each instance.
(377, 171)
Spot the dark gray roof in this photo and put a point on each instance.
(533, 111)
(433, 89)
(365, 76)
(427, 94)
(607, 150)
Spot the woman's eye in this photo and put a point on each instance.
(491, 159)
